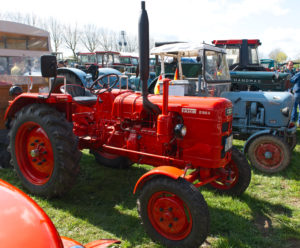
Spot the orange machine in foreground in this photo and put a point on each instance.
(24, 224)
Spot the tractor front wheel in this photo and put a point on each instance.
(173, 212)
(44, 150)
(269, 153)
(235, 177)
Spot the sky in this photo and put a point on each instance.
(274, 22)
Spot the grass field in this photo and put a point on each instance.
(101, 205)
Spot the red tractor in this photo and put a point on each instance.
(187, 139)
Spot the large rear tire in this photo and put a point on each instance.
(173, 212)
(111, 160)
(269, 153)
(44, 150)
(4, 154)
(235, 177)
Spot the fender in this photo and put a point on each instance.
(29, 98)
(168, 171)
(79, 74)
(253, 136)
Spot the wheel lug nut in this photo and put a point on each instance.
(161, 219)
(32, 144)
(44, 160)
(170, 225)
(170, 209)
(161, 209)
(36, 141)
(34, 160)
(45, 152)
(175, 219)
(39, 163)
(42, 144)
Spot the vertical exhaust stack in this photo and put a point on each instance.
(144, 60)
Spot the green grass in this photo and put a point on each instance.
(102, 205)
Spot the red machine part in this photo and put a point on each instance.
(232, 42)
(167, 171)
(24, 224)
(34, 153)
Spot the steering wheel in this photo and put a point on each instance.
(98, 82)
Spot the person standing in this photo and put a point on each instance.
(289, 68)
(295, 81)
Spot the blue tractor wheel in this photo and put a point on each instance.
(269, 153)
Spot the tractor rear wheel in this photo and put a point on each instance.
(44, 150)
(173, 212)
(235, 177)
(111, 160)
(269, 153)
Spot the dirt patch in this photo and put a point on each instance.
(293, 243)
(294, 202)
(263, 224)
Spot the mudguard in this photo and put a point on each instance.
(79, 74)
(168, 171)
(254, 136)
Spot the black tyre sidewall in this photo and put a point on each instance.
(115, 163)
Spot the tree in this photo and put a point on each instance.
(71, 38)
(56, 34)
(90, 37)
(106, 39)
(278, 55)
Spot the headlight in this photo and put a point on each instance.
(285, 111)
(180, 130)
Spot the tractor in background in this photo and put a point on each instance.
(188, 140)
(269, 64)
(260, 118)
(245, 70)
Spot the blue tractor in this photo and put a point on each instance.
(260, 118)
(77, 79)
(263, 120)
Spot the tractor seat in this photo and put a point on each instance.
(86, 100)
(81, 95)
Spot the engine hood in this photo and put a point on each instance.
(130, 106)
(283, 99)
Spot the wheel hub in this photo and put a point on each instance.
(34, 153)
(269, 155)
(170, 217)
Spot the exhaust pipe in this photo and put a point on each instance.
(144, 60)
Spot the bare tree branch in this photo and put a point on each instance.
(71, 38)
(90, 37)
(106, 40)
(55, 30)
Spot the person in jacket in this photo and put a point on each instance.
(295, 81)
(289, 68)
